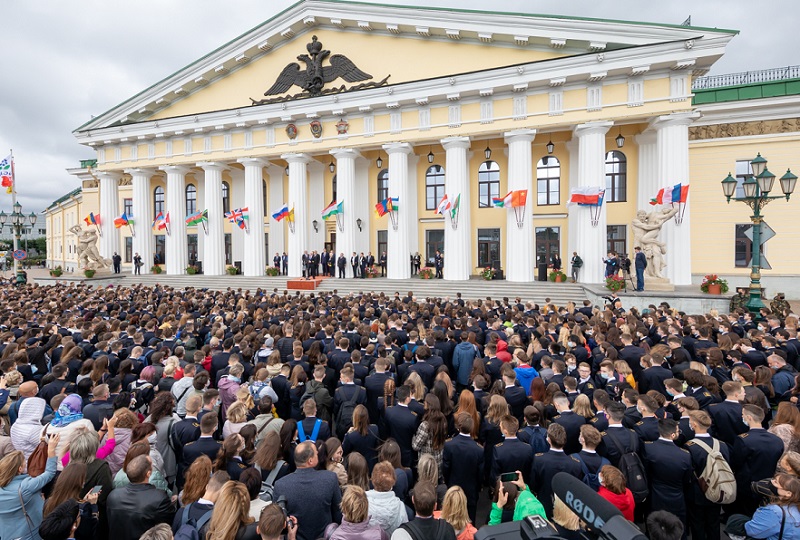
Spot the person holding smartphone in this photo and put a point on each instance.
(513, 500)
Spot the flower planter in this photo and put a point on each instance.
(558, 278)
(714, 288)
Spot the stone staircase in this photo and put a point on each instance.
(559, 293)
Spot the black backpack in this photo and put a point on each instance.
(190, 529)
(632, 468)
(344, 420)
(538, 439)
(591, 479)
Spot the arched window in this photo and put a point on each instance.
(548, 181)
(191, 199)
(434, 186)
(488, 183)
(158, 200)
(383, 185)
(616, 177)
(226, 197)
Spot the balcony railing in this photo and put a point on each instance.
(747, 77)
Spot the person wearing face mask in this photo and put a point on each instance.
(779, 520)
(607, 378)
(647, 428)
(652, 376)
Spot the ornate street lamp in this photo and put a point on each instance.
(16, 221)
(756, 189)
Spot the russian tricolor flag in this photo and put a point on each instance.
(281, 213)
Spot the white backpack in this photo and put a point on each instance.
(716, 480)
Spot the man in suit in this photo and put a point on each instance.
(462, 462)
(383, 264)
(370, 259)
(515, 396)
(647, 428)
(355, 262)
(285, 263)
(374, 385)
(632, 354)
(348, 392)
(276, 260)
(640, 262)
(617, 439)
(570, 421)
(755, 457)
(204, 445)
(186, 431)
(282, 386)
(421, 367)
(653, 374)
(438, 262)
(341, 264)
(668, 483)
(512, 454)
(402, 424)
(727, 415)
(362, 266)
(306, 265)
(324, 261)
(547, 464)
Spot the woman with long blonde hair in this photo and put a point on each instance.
(583, 407)
(231, 515)
(417, 387)
(454, 511)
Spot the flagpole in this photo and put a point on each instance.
(13, 205)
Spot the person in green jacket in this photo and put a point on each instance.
(514, 502)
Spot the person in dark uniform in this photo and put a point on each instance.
(362, 266)
(354, 262)
(647, 428)
(755, 457)
(512, 454)
(462, 462)
(402, 424)
(617, 439)
(695, 380)
(315, 259)
(309, 423)
(515, 396)
(600, 400)
(205, 445)
(590, 439)
(727, 415)
(586, 384)
(570, 421)
(341, 264)
(137, 264)
(383, 264)
(285, 263)
(640, 263)
(370, 259)
(417, 263)
(306, 265)
(668, 484)
(704, 515)
(186, 431)
(282, 386)
(438, 262)
(276, 260)
(547, 464)
(653, 374)
(323, 259)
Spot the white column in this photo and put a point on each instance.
(397, 248)
(315, 204)
(255, 256)
(109, 211)
(413, 208)
(177, 257)
(214, 241)
(364, 206)
(346, 194)
(142, 218)
(672, 143)
(275, 201)
(590, 241)
(298, 197)
(458, 262)
(519, 240)
(647, 184)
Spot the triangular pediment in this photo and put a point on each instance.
(391, 44)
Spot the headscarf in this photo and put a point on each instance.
(69, 411)
(27, 430)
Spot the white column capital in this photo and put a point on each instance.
(297, 158)
(345, 153)
(591, 128)
(141, 171)
(524, 135)
(675, 119)
(175, 169)
(213, 166)
(109, 175)
(398, 148)
(253, 162)
(646, 137)
(455, 142)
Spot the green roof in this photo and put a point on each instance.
(69, 195)
(428, 8)
(744, 92)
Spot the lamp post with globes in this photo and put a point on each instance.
(757, 190)
(17, 223)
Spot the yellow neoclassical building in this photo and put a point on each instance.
(360, 103)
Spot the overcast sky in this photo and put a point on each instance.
(65, 61)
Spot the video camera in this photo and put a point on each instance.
(602, 518)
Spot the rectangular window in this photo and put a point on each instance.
(228, 249)
(127, 207)
(159, 256)
(548, 243)
(434, 241)
(617, 238)
(488, 247)
(128, 249)
(744, 248)
(383, 242)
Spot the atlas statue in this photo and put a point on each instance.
(646, 228)
(88, 255)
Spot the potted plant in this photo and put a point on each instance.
(57, 271)
(191, 270)
(488, 273)
(155, 269)
(89, 272)
(713, 284)
(273, 271)
(557, 275)
(372, 272)
(426, 273)
(614, 283)
(231, 270)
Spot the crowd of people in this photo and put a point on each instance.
(157, 412)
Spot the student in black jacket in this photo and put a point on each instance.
(462, 462)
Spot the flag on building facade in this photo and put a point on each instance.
(197, 218)
(387, 205)
(92, 219)
(281, 213)
(239, 216)
(454, 210)
(513, 199)
(159, 223)
(333, 209)
(121, 221)
(586, 195)
(671, 194)
(444, 205)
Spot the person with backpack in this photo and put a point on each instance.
(547, 465)
(424, 526)
(312, 428)
(620, 446)
(714, 483)
(345, 399)
(191, 518)
(591, 462)
(533, 433)
(669, 469)
(318, 392)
